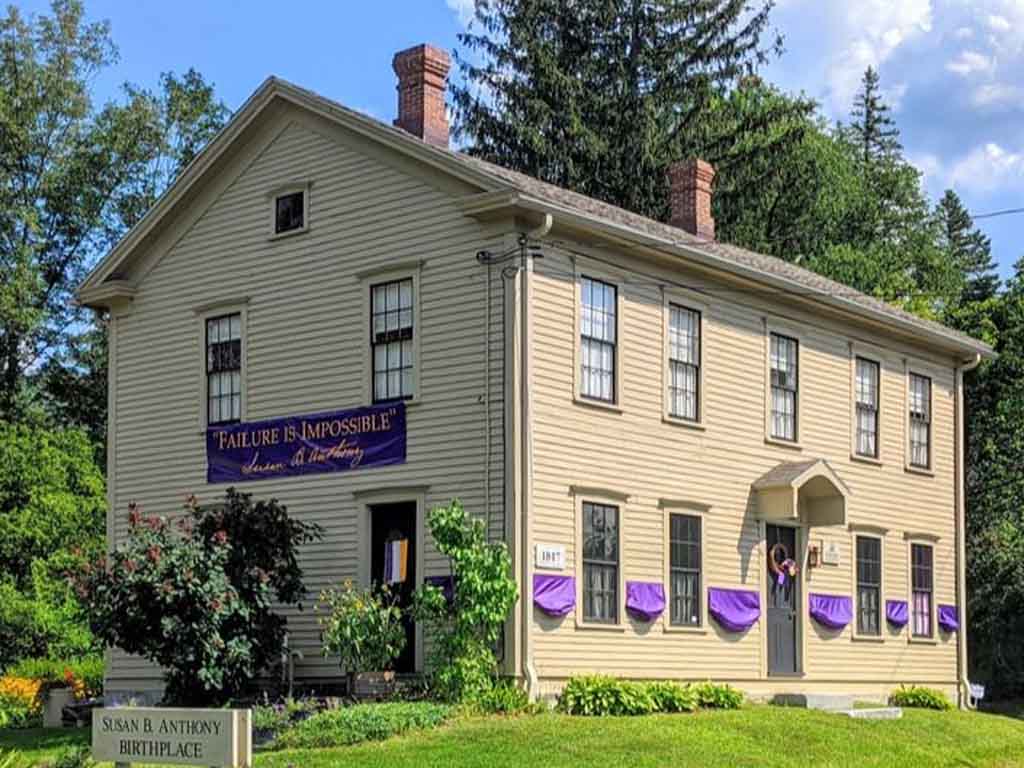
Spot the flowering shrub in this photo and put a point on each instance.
(363, 627)
(83, 676)
(466, 628)
(21, 702)
(197, 597)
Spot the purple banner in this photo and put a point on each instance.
(304, 445)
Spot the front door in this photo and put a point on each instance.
(391, 525)
(783, 603)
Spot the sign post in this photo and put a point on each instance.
(215, 738)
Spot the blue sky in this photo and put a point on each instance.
(953, 69)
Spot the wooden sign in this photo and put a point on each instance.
(209, 737)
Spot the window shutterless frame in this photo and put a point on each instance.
(683, 374)
(598, 340)
(919, 421)
(397, 273)
(289, 209)
(392, 331)
(602, 562)
(783, 387)
(922, 590)
(867, 411)
(868, 566)
(216, 370)
(685, 563)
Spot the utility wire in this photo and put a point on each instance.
(994, 214)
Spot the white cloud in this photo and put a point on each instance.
(463, 9)
(988, 168)
(963, 33)
(871, 30)
(971, 62)
(999, 23)
(998, 95)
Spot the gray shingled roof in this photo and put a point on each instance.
(812, 281)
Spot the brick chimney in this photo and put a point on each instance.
(422, 74)
(689, 184)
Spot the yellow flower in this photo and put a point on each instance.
(24, 691)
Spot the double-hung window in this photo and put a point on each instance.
(921, 587)
(920, 397)
(869, 585)
(683, 363)
(600, 562)
(224, 369)
(784, 361)
(684, 570)
(391, 340)
(866, 379)
(598, 334)
(289, 212)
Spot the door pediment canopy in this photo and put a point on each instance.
(808, 492)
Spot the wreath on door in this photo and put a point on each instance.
(781, 564)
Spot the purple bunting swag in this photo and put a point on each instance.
(832, 611)
(645, 600)
(554, 595)
(736, 610)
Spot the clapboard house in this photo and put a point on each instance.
(706, 462)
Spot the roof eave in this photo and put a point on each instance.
(845, 305)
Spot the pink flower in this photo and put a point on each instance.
(131, 566)
(134, 514)
(154, 554)
(221, 537)
(216, 605)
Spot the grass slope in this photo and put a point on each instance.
(755, 736)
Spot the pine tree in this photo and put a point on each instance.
(872, 125)
(968, 247)
(600, 96)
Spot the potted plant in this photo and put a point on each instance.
(59, 694)
(363, 628)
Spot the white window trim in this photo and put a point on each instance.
(933, 638)
(920, 369)
(861, 533)
(239, 306)
(874, 356)
(772, 326)
(613, 499)
(686, 300)
(411, 269)
(298, 186)
(693, 509)
(615, 406)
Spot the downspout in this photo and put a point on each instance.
(526, 446)
(963, 685)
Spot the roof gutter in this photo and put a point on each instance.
(630, 235)
(963, 683)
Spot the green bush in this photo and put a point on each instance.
(505, 698)
(717, 695)
(600, 695)
(274, 718)
(673, 697)
(465, 629)
(363, 722)
(362, 627)
(88, 671)
(919, 697)
(75, 757)
(201, 601)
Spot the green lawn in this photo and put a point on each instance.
(755, 736)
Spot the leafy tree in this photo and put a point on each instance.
(967, 247)
(52, 507)
(600, 96)
(872, 125)
(200, 601)
(995, 492)
(466, 628)
(74, 177)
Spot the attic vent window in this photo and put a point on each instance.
(290, 212)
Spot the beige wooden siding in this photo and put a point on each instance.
(632, 451)
(304, 347)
